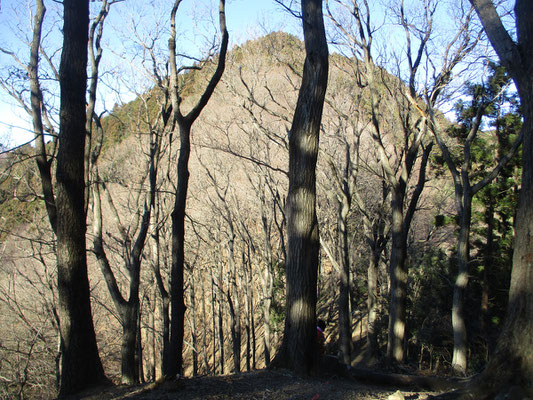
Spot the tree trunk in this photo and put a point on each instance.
(345, 318)
(234, 304)
(460, 343)
(267, 283)
(80, 363)
(398, 277)
(512, 362)
(221, 333)
(165, 305)
(299, 350)
(129, 367)
(174, 363)
(177, 290)
(204, 338)
(372, 303)
(194, 334)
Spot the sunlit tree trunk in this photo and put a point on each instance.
(511, 365)
(299, 350)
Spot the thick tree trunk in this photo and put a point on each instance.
(80, 363)
(128, 350)
(299, 350)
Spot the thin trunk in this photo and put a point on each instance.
(488, 259)
(345, 320)
(247, 312)
(221, 336)
(139, 354)
(36, 98)
(204, 338)
(372, 304)
(194, 334)
(174, 364)
(165, 305)
(267, 284)
(234, 305)
(213, 315)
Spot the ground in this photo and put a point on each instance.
(264, 385)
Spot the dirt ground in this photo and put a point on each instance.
(264, 384)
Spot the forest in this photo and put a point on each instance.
(194, 210)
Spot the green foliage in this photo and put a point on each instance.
(430, 334)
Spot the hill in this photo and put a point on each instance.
(235, 238)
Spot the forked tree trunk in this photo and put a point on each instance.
(174, 364)
(299, 349)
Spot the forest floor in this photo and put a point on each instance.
(262, 384)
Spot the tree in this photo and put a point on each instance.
(183, 123)
(132, 242)
(511, 366)
(465, 190)
(65, 201)
(298, 349)
(80, 362)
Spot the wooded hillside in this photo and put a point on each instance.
(397, 228)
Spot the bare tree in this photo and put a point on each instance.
(132, 240)
(184, 123)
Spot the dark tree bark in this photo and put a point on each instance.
(511, 367)
(80, 364)
(299, 350)
(43, 162)
(174, 357)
